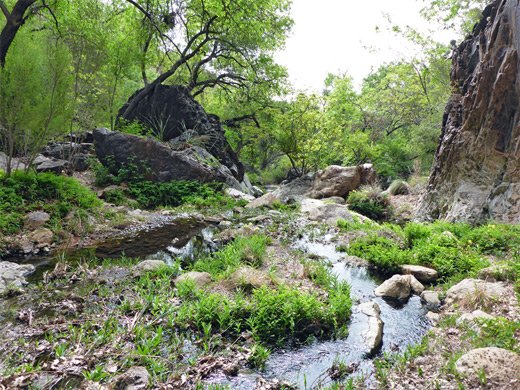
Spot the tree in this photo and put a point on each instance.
(216, 43)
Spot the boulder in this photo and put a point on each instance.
(423, 274)
(475, 174)
(500, 367)
(239, 195)
(134, 379)
(431, 298)
(330, 213)
(42, 237)
(373, 335)
(158, 162)
(399, 286)
(474, 290)
(35, 220)
(13, 275)
(148, 265)
(339, 181)
(296, 190)
(54, 166)
(15, 163)
(170, 112)
(200, 279)
(266, 200)
(469, 318)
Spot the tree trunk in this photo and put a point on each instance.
(15, 20)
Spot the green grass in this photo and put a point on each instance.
(24, 192)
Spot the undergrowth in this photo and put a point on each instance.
(24, 192)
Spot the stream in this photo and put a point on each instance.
(305, 365)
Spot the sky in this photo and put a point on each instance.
(332, 36)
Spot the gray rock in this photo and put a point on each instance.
(399, 286)
(35, 220)
(148, 265)
(330, 213)
(12, 274)
(266, 200)
(42, 236)
(171, 111)
(433, 317)
(200, 279)
(236, 194)
(158, 162)
(500, 366)
(373, 336)
(431, 298)
(16, 164)
(423, 274)
(134, 379)
(473, 290)
(469, 318)
(54, 166)
(339, 181)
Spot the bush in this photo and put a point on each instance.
(24, 192)
(399, 187)
(370, 202)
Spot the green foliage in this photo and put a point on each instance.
(24, 192)
(499, 332)
(244, 250)
(116, 197)
(151, 195)
(370, 202)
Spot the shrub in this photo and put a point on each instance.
(399, 187)
(24, 192)
(370, 202)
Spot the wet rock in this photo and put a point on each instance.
(134, 379)
(433, 317)
(239, 195)
(357, 261)
(200, 279)
(373, 336)
(500, 366)
(266, 200)
(431, 298)
(158, 162)
(471, 291)
(12, 274)
(497, 272)
(399, 286)
(35, 220)
(330, 213)
(469, 318)
(475, 175)
(339, 181)
(422, 274)
(148, 265)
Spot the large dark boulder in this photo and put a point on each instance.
(157, 161)
(171, 112)
(476, 171)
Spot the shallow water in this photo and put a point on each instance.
(405, 322)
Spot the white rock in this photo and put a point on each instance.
(373, 335)
(471, 290)
(200, 278)
(399, 286)
(431, 298)
(148, 265)
(500, 366)
(12, 274)
(423, 274)
(469, 318)
(236, 194)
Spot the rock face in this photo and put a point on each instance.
(12, 274)
(475, 174)
(172, 113)
(164, 163)
(501, 367)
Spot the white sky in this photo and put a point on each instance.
(330, 36)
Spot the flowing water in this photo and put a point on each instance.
(405, 322)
